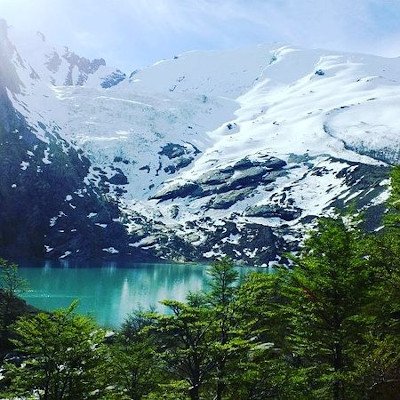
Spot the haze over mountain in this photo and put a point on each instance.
(208, 153)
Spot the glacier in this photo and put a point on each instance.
(208, 153)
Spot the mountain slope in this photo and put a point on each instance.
(43, 181)
(210, 153)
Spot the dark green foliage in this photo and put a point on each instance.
(10, 281)
(221, 298)
(11, 307)
(261, 310)
(327, 290)
(380, 367)
(133, 368)
(134, 364)
(183, 340)
(60, 356)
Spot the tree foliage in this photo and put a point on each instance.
(326, 328)
(10, 281)
(60, 352)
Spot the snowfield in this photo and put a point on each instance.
(206, 149)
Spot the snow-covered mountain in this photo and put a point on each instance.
(208, 153)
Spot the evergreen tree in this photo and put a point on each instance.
(221, 297)
(327, 290)
(183, 343)
(263, 372)
(134, 365)
(11, 282)
(11, 307)
(380, 366)
(62, 355)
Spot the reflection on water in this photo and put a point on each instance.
(110, 292)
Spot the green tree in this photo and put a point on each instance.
(176, 390)
(11, 307)
(134, 364)
(133, 368)
(183, 339)
(327, 291)
(62, 355)
(380, 365)
(261, 307)
(223, 288)
(10, 281)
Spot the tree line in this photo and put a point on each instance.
(326, 328)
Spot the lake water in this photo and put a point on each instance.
(110, 292)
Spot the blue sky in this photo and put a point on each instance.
(134, 33)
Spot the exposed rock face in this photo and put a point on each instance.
(175, 156)
(273, 211)
(83, 65)
(257, 233)
(54, 62)
(179, 190)
(205, 239)
(118, 179)
(172, 150)
(228, 199)
(240, 177)
(113, 79)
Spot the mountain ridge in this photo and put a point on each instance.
(213, 153)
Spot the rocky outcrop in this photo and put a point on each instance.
(204, 239)
(118, 179)
(236, 223)
(178, 190)
(273, 211)
(245, 174)
(174, 157)
(82, 65)
(228, 199)
(113, 79)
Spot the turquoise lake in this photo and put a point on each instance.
(110, 292)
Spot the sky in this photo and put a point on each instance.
(131, 34)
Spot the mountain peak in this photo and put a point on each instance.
(223, 152)
(41, 36)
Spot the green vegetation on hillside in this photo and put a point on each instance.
(328, 328)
